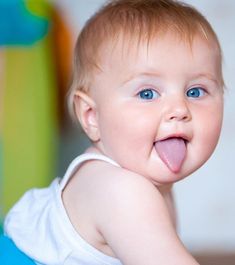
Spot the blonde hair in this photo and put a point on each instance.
(140, 20)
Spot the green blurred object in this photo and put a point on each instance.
(29, 128)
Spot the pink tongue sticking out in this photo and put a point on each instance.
(172, 151)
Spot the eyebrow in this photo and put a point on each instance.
(156, 75)
(141, 74)
(206, 76)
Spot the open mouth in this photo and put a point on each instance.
(172, 152)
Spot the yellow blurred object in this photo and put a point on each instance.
(35, 75)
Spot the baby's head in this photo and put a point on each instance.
(137, 64)
(132, 22)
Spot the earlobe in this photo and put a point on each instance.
(86, 112)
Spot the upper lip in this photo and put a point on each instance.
(184, 136)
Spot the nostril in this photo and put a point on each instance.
(173, 118)
(185, 117)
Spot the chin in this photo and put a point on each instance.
(166, 177)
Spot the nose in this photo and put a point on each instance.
(178, 110)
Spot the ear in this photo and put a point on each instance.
(85, 109)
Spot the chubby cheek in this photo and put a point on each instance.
(126, 135)
(208, 131)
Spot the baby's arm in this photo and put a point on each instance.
(136, 224)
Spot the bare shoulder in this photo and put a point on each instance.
(118, 187)
(126, 194)
(128, 212)
(134, 220)
(100, 190)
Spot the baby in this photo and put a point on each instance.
(148, 92)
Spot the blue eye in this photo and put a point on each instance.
(148, 94)
(195, 92)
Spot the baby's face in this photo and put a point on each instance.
(160, 108)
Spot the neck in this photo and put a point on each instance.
(165, 190)
(167, 194)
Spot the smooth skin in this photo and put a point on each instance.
(141, 96)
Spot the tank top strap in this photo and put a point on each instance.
(78, 161)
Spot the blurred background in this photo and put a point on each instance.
(38, 140)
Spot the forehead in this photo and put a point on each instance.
(131, 53)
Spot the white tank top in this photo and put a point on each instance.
(40, 227)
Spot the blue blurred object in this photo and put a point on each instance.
(11, 255)
(18, 25)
